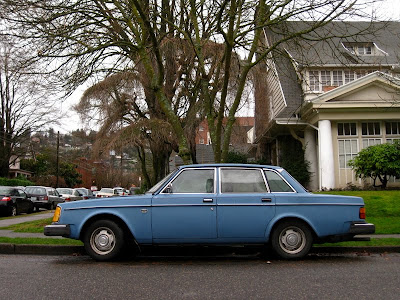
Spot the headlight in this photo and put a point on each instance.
(57, 214)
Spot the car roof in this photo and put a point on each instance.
(214, 165)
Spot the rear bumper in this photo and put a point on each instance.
(361, 228)
(57, 230)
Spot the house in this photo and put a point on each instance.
(15, 168)
(330, 97)
(241, 140)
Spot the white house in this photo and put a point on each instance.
(334, 97)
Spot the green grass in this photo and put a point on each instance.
(32, 226)
(383, 208)
(40, 241)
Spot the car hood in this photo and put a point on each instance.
(108, 202)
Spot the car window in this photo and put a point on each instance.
(21, 193)
(277, 183)
(194, 181)
(242, 181)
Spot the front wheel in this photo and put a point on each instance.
(103, 240)
(291, 239)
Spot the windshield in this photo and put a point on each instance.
(160, 183)
(108, 191)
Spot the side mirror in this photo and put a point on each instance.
(168, 189)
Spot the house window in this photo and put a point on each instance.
(201, 141)
(348, 149)
(201, 128)
(318, 80)
(337, 77)
(326, 78)
(314, 80)
(364, 50)
(392, 128)
(371, 142)
(345, 129)
(371, 128)
(348, 76)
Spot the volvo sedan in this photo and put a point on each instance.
(214, 204)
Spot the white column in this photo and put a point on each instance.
(326, 163)
(310, 154)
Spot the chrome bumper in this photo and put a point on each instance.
(57, 230)
(361, 228)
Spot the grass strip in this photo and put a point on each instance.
(40, 241)
(32, 226)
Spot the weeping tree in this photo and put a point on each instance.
(94, 38)
(127, 118)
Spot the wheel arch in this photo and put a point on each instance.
(276, 222)
(107, 216)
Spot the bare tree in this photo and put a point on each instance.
(87, 38)
(25, 106)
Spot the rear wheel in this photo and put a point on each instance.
(103, 240)
(291, 239)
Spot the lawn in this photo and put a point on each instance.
(383, 208)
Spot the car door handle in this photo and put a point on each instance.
(208, 200)
(266, 200)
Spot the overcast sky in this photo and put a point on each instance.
(386, 9)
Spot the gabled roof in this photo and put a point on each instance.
(325, 45)
(385, 92)
(375, 78)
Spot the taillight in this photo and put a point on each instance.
(362, 213)
(46, 198)
(6, 199)
(85, 197)
(68, 199)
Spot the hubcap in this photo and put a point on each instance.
(102, 240)
(292, 240)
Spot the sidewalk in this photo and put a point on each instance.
(79, 250)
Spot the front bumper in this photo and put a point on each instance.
(57, 230)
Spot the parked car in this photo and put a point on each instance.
(14, 201)
(70, 194)
(107, 192)
(86, 193)
(43, 197)
(121, 191)
(215, 204)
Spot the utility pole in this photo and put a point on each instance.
(58, 155)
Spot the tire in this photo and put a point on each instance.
(103, 240)
(291, 239)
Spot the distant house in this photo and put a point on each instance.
(15, 168)
(241, 140)
(333, 97)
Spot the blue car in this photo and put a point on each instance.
(214, 204)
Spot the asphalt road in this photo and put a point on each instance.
(248, 277)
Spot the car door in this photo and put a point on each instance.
(184, 211)
(244, 205)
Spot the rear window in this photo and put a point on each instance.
(35, 190)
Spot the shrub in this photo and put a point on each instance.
(378, 162)
(15, 182)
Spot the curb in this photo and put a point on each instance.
(79, 250)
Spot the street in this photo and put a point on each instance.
(342, 276)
